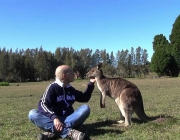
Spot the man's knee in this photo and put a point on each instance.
(32, 114)
(86, 108)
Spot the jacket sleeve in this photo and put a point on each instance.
(47, 101)
(86, 95)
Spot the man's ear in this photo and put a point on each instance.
(63, 76)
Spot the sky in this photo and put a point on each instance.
(109, 25)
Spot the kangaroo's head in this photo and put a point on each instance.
(95, 72)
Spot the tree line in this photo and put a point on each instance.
(38, 64)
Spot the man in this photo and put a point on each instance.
(55, 114)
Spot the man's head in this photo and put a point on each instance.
(64, 73)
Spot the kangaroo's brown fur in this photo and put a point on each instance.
(126, 95)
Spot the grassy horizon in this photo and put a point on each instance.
(160, 96)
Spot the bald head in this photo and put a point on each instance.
(63, 69)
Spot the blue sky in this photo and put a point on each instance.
(96, 24)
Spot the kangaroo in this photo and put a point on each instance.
(126, 95)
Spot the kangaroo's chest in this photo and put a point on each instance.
(105, 89)
(99, 87)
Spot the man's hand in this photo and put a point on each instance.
(93, 80)
(58, 125)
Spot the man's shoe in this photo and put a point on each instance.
(76, 135)
(47, 136)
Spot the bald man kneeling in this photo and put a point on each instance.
(55, 114)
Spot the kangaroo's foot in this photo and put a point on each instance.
(126, 124)
(121, 121)
(121, 125)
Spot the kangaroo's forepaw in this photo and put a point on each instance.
(102, 106)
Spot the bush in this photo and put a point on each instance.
(78, 79)
(4, 84)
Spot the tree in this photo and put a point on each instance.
(129, 66)
(176, 54)
(41, 64)
(175, 40)
(159, 62)
(64, 51)
(122, 56)
(162, 61)
(58, 56)
(4, 63)
(13, 68)
(121, 69)
(68, 58)
(138, 61)
(104, 56)
(175, 33)
(133, 59)
(144, 57)
(85, 56)
(112, 60)
(109, 70)
(122, 62)
(29, 65)
(138, 55)
(96, 58)
(51, 65)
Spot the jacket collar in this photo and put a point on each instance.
(61, 83)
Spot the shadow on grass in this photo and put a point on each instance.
(95, 129)
(159, 118)
(109, 126)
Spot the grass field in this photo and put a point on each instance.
(161, 96)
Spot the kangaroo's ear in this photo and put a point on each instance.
(99, 65)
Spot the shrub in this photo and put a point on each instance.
(4, 84)
(78, 78)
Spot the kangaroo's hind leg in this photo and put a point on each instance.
(128, 114)
(124, 106)
(117, 100)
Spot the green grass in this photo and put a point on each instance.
(4, 84)
(161, 96)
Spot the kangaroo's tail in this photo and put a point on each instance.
(143, 117)
(141, 113)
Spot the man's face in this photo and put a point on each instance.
(70, 76)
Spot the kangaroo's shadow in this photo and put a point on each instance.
(159, 118)
(96, 129)
(111, 126)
